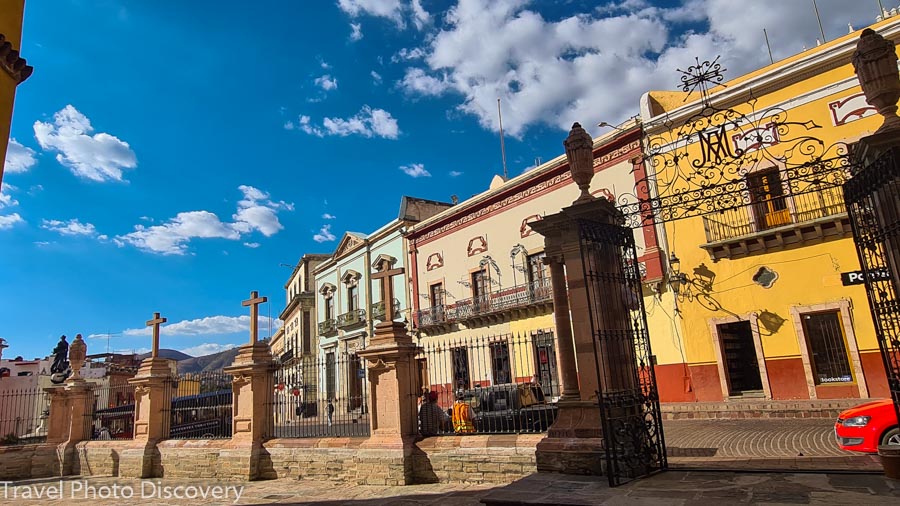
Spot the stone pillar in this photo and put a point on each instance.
(152, 404)
(58, 423)
(252, 387)
(565, 348)
(386, 457)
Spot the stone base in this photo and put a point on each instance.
(474, 459)
(23, 462)
(890, 460)
(574, 443)
(342, 460)
(139, 461)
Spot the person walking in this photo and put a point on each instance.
(329, 413)
(462, 416)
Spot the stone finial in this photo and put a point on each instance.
(580, 155)
(77, 354)
(875, 63)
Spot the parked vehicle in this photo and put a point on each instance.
(863, 428)
(203, 416)
(511, 407)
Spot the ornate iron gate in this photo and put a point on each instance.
(873, 204)
(627, 395)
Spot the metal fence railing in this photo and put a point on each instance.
(113, 413)
(201, 406)
(321, 396)
(493, 384)
(23, 416)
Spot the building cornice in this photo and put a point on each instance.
(12, 63)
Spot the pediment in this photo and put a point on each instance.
(348, 243)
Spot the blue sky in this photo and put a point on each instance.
(169, 156)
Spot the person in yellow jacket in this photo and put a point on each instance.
(462, 416)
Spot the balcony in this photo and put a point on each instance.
(327, 327)
(520, 300)
(775, 224)
(351, 318)
(377, 310)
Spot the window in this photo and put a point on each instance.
(828, 352)
(460, 358)
(479, 283)
(769, 202)
(437, 295)
(500, 363)
(352, 298)
(537, 271)
(329, 307)
(307, 331)
(329, 376)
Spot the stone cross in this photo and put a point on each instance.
(254, 301)
(154, 348)
(385, 274)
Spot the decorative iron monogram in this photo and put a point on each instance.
(700, 166)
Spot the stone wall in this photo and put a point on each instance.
(336, 459)
(474, 459)
(21, 462)
(97, 458)
(194, 459)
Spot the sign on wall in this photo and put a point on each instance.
(857, 277)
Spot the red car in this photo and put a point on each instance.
(865, 427)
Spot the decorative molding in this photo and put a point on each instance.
(849, 109)
(616, 153)
(351, 277)
(477, 245)
(383, 258)
(525, 230)
(435, 261)
(348, 243)
(12, 64)
(327, 290)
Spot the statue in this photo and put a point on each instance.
(59, 369)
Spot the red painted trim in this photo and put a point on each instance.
(414, 253)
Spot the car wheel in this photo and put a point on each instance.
(891, 437)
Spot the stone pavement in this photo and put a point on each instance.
(673, 487)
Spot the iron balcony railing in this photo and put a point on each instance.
(378, 312)
(351, 318)
(504, 299)
(328, 326)
(773, 213)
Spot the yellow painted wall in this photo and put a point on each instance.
(11, 15)
(809, 274)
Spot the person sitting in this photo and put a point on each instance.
(432, 419)
(462, 416)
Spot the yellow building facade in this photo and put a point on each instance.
(14, 68)
(763, 296)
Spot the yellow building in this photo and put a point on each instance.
(15, 70)
(763, 299)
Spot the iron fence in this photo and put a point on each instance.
(493, 384)
(112, 416)
(201, 406)
(23, 416)
(321, 396)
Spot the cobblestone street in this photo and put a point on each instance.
(752, 438)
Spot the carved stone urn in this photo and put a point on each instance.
(875, 63)
(580, 154)
(77, 354)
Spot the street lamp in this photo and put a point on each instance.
(677, 279)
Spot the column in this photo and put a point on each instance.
(252, 386)
(152, 405)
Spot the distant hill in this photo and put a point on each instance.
(213, 362)
(167, 353)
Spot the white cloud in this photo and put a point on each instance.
(407, 54)
(455, 173)
(8, 221)
(207, 349)
(421, 17)
(5, 199)
(326, 82)
(98, 157)
(146, 218)
(356, 31)
(289, 125)
(416, 81)
(376, 77)
(415, 170)
(251, 245)
(19, 158)
(71, 227)
(368, 122)
(255, 212)
(324, 234)
(210, 325)
(324, 64)
(388, 9)
(594, 66)
(327, 216)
